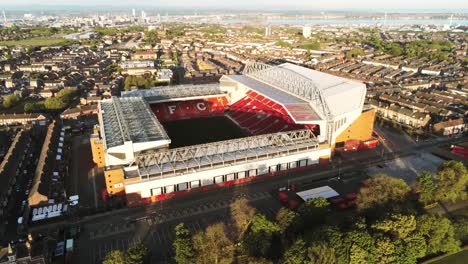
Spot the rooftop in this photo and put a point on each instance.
(329, 95)
(299, 108)
(224, 153)
(129, 119)
(174, 92)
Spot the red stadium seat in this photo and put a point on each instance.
(260, 115)
(171, 111)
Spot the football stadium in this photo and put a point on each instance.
(158, 143)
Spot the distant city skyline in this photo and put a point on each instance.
(436, 5)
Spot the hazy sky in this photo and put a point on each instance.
(264, 4)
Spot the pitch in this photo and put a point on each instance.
(197, 131)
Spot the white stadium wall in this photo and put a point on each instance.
(125, 154)
(207, 177)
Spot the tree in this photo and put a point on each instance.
(135, 254)
(425, 186)
(321, 253)
(397, 225)
(213, 245)
(114, 257)
(285, 218)
(393, 49)
(354, 53)
(112, 68)
(258, 241)
(183, 245)
(151, 37)
(387, 251)
(439, 234)
(242, 215)
(61, 100)
(461, 228)
(415, 247)
(296, 254)
(33, 107)
(10, 100)
(451, 181)
(382, 191)
(29, 107)
(360, 246)
(313, 211)
(328, 239)
(54, 103)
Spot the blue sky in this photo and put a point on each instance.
(264, 4)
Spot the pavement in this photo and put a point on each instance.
(408, 168)
(85, 180)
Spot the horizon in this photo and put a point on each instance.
(430, 6)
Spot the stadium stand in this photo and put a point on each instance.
(178, 110)
(259, 115)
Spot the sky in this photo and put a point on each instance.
(263, 4)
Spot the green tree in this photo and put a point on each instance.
(258, 240)
(461, 228)
(359, 244)
(296, 254)
(183, 245)
(285, 219)
(213, 245)
(112, 68)
(397, 225)
(329, 238)
(202, 252)
(393, 49)
(382, 192)
(10, 100)
(425, 186)
(354, 53)
(415, 247)
(451, 181)
(135, 254)
(54, 103)
(386, 250)
(151, 37)
(29, 107)
(242, 215)
(33, 107)
(321, 253)
(114, 257)
(314, 211)
(439, 234)
(61, 100)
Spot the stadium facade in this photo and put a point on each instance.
(294, 118)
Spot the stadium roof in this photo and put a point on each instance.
(224, 153)
(298, 108)
(174, 92)
(329, 95)
(129, 119)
